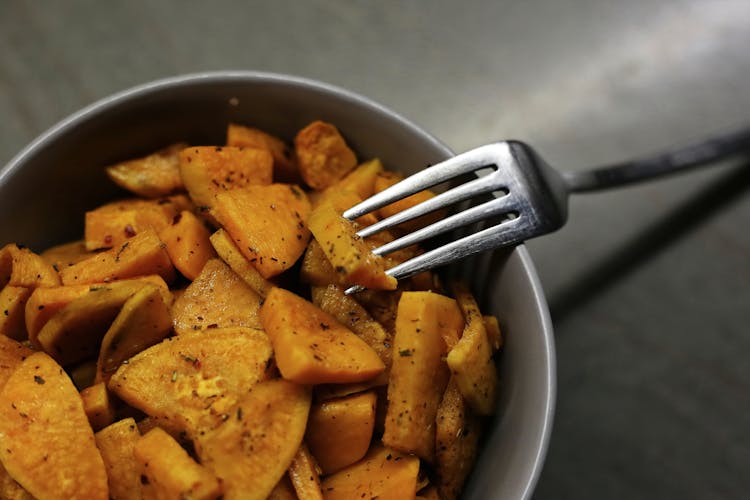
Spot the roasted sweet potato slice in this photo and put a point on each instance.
(457, 432)
(218, 298)
(209, 170)
(349, 255)
(352, 315)
(267, 223)
(305, 475)
(190, 381)
(152, 176)
(98, 405)
(230, 254)
(470, 360)
(22, 267)
(284, 164)
(383, 473)
(316, 270)
(418, 374)
(50, 456)
(284, 490)
(323, 155)
(141, 255)
(187, 243)
(45, 302)
(311, 347)
(112, 224)
(339, 431)
(361, 180)
(385, 180)
(75, 332)
(12, 311)
(116, 443)
(143, 321)
(252, 449)
(66, 254)
(167, 471)
(12, 354)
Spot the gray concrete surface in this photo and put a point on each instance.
(650, 285)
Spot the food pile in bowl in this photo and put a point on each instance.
(197, 341)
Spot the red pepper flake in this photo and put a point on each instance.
(129, 231)
(108, 239)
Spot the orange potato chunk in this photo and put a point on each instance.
(188, 382)
(339, 431)
(141, 255)
(167, 471)
(349, 255)
(22, 267)
(311, 347)
(187, 243)
(151, 176)
(267, 421)
(470, 360)
(323, 155)
(230, 254)
(387, 179)
(418, 373)
(12, 354)
(383, 473)
(66, 254)
(112, 224)
(284, 164)
(51, 457)
(305, 475)
(116, 443)
(217, 298)
(98, 406)
(210, 170)
(268, 224)
(13, 301)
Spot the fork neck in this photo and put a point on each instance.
(724, 147)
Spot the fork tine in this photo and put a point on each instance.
(502, 235)
(496, 206)
(488, 183)
(436, 174)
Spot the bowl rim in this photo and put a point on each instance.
(113, 100)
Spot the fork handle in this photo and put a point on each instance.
(708, 151)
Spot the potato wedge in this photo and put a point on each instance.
(349, 255)
(316, 270)
(383, 473)
(98, 406)
(218, 298)
(187, 243)
(51, 457)
(418, 375)
(116, 443)
(284, 164)
(457, 432)
(12, 311)
(74, 333)
(267, 223)
(267, 421)
(152, 176)
(190, 381)
(143, 321)
(66, 254)
(112, 224)
(209, 170)
(141, 255)
(311, 347)
(323, 155)
(167, 471)
(305, 475)
(361, 180)
(12, 354)
(46, 302)
(230, 254)
(22, 267)
(470, 360)
(339, 431)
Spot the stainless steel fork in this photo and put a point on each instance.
(528, 196)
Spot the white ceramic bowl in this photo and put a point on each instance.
(46, 188)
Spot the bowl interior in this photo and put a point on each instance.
(45, 190)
